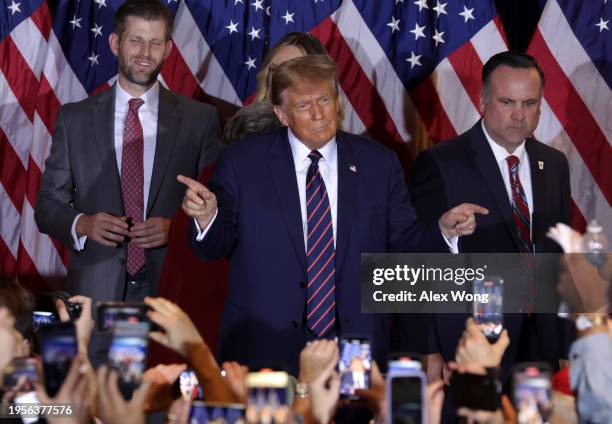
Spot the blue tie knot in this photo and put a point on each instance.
(315, 156)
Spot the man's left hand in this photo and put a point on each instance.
(150, 233)
(460, 220)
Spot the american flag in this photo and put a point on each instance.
(573, 44)
(409, 72)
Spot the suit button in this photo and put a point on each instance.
(303, 284)
(295, 324)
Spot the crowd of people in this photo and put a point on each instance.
(292, 202)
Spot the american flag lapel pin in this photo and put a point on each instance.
(353, 168)
(541, 165)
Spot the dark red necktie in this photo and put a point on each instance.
(321, 253)
(522, 220)
(132, 177)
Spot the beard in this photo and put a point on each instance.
(146, 80)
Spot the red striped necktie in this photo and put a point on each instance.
(522, 220)
(321, 253)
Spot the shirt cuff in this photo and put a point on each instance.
(78, 243)
(202, 233)
(452, 243)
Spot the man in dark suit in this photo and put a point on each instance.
(525, 186)
(296, 207)
(109, 186)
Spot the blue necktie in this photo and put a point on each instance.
(320, 254)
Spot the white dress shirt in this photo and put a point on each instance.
(524, 168)
(147, 114)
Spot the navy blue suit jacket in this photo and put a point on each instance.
(464, 169)
(259, 228)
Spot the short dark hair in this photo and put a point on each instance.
(20, 303)
(149, 10)
(255, 118)
(512, 59)
(315, 67)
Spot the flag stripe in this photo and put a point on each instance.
(12, 174)
(584, 132)
(18, 76)
(9, 224)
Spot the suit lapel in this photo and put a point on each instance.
(282, 173)
(538, 187)
(485, 162)
(168, 125)
(103, 118)
(347, 197)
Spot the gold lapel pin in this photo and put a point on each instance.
(353, 168)
(541, 165)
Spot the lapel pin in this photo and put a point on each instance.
(541, 164)
(353, 168)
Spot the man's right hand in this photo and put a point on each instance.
(199, 202)
(103, 228)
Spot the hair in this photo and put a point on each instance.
(512, 59)
(308, 44)
(20, 303)
(149, 10)
(255, 118)
(314, 68)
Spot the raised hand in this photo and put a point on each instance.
(460, 220)
(199, 202)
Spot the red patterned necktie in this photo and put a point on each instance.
(520, 214)
(132, 177)
(321, 253)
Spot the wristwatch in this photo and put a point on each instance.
(584, 322)
(302, 390)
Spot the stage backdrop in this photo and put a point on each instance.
(409, 73)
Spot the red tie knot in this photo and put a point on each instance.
(134, 104)
(513, 162)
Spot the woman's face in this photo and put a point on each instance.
(286, 53)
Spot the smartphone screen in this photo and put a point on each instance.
(40, 318)
(128, 355)
(354, 365)
(207, 412)
(187, 386)
(20, 375)
(269, 397)
(407, 394)
(488, 306)
(533, 392)
(58, 346)
(111, 312)
(475, 391)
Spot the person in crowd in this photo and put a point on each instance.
(588, 293)
(525, 186)
(294, 279)
(108, 189)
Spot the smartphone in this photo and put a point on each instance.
(407, 392)
(208, 412)
(58, 345)
(110, 313)
(355, 365)
(405, 362)
(128, 355)
(40, 318)
(488, 306)
(532, 392)
(475, 391)
(187, 386)
(20, 375)
(269, 397)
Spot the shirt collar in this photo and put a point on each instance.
(500, 153)
(300, 151)
(150, 97)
